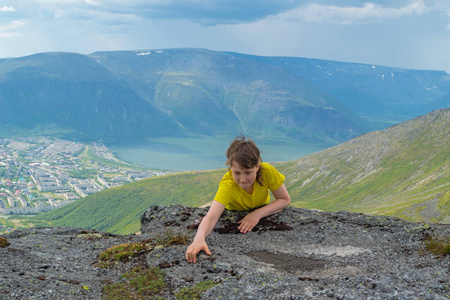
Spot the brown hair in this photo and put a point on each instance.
(244, 151)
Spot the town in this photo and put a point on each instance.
(41, 174)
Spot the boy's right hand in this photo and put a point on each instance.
(194, 248)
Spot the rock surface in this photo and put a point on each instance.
(295, 254)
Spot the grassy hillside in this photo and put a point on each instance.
(401, 171)
(118, 210)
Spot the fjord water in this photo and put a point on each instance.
(204, 153)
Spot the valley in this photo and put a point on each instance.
(43, 174)
(40, 174)
(402, 171)
(323, 123)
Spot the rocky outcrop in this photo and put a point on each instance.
(295, 254)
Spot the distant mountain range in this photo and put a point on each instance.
(401, 171)
(377, 93)
(149, 93)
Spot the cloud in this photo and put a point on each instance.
(91, 2)
(205, 12)
(444, 7)
(368, 13)
(7, 8)
(222, 12)
(448, 25)
(375, 31)
(7, 31)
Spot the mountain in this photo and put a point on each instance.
(149, 93)
(441, 102)
(401, 171)
(72, 92)
(162, 93)
(383, 95)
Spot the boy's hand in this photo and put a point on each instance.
(194, 248)
(248, 222)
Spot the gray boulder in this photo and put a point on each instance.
(295, 254)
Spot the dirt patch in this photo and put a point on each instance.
(231, 227)
(228, 226)
(288, 262)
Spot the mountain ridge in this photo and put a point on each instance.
(382, 172)
(381, 88)
(408, 161)
(170, 92)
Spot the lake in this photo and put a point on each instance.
(203, 153)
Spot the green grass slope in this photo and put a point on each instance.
(402, 171)
(118, 210)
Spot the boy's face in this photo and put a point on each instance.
(244, 177)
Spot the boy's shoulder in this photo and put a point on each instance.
(227, 179)
(266, 167)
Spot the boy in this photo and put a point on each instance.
(244, 187)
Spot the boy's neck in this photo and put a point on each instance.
(249, 190)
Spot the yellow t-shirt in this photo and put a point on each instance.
(234, 197)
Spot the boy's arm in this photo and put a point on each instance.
(204, 229)
(282, 200)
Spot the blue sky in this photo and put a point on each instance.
(399, 33)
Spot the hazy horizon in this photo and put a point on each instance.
(412, 34)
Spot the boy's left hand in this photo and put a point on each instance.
(248, 222)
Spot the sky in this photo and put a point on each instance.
(413, 34)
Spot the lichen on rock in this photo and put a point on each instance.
(294, 254)
(4, 242)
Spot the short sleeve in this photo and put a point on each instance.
(225, 190)
(234, 197)
(271, 177)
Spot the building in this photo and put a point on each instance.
(63, 176)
